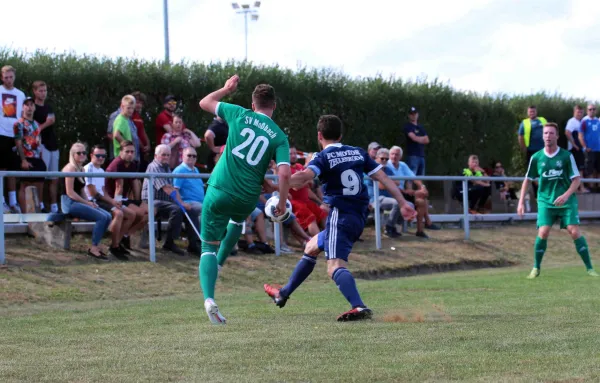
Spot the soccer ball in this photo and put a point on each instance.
(271, 205)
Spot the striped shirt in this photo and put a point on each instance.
(159, 183)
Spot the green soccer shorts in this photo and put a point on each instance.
(568, 215)
(218, 208)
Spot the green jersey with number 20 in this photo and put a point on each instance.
(253, 141)
(555, 172)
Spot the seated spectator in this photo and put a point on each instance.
(122, 190)
(28, 148)
(386, 202)
(192, 192)
(417, 197)
(256, 220)
(123, 217)
(479, 191)
(373, 149)
(506, 188)
(310, 216)
(163, 189)
(77, 206)
(178, 140)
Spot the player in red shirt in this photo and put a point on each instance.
(310, 215)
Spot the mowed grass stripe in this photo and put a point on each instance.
(488, 325)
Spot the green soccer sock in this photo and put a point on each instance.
(208, 270)
(231, 239)
(582, 248)
(540, 249)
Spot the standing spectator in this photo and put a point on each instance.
(138, 121)
(179, 139)
(372, 149)
(12, 102)
(122, 217)
(215, 137)
(123, 189)
(590, 142)
(573, 131)
(530, 133)
(77, 206)
(416, 139)
(163, 189)
(27, 146)
(164, 120)
(124, 128)
(192, 192)
(44, 116)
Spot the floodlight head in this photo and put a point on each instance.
(254, 17)
(245, 6)
(235, 5)
(257, 4)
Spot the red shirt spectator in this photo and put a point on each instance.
(164, 121)
(300, 194)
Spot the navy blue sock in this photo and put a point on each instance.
(345, 282)
(302, 270)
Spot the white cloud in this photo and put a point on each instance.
(550, 45)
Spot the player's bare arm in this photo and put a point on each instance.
(300, 179)
(284, 173)
(408, 213)
(521, 205)
(209, 103)
(562, 199)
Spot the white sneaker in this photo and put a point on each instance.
(212, 310)
(284, 249)
(6, 208)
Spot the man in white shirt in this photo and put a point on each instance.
(12, 106)
(572, 131)
(94, 189)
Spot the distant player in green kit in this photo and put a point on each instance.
(559, 179)
(237, 180)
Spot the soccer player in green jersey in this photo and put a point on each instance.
(237, 179)
(558, 181)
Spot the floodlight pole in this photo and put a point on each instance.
(246, 33)
(166, 21)
(246, 9)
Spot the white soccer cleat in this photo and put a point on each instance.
(212, 310)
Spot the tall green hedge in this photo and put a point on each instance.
(84, 90)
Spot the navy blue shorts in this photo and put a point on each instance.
(342, 230)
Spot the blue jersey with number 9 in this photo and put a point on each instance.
(340, 168)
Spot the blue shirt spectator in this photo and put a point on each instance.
(191, 189)
(401, 171)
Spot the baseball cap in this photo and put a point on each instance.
(169, 98)
(28, 99)
(412, 110)
(374, 145)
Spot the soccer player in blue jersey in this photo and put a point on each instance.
(340, 169)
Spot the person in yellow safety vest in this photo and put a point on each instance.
(531, 133)
(479, 191)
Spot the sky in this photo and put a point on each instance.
(495, 46)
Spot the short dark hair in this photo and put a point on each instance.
(99, 147)
(291, 143)
(532, 107)
(264, 96)
(139, 96)
(125, 143)
(554, 125)
(330, 127)
(578, 107)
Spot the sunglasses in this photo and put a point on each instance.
(81, 153)
(192, 156)
(383, 158)
(100, 155)
(591, 108)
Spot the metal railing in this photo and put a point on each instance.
(277, 226)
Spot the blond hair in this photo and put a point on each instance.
(128, 100)
(74, 149)
(8, 68)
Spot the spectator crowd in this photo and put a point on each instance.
(120, 205)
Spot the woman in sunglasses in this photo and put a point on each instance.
(79, 207)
